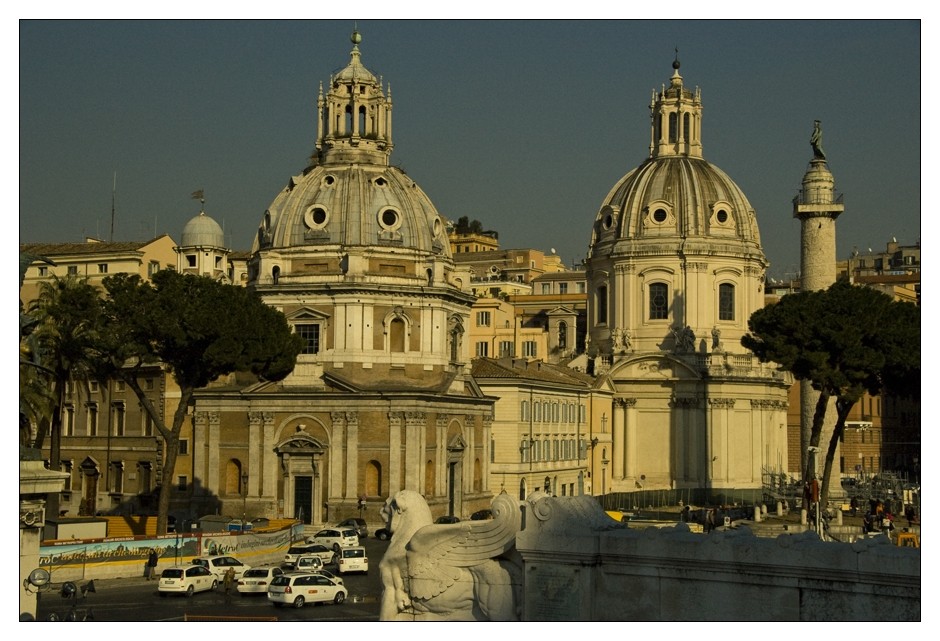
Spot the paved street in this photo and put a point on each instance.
(136, 599)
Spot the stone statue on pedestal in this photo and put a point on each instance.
(466, 571)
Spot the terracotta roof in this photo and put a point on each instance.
(59, 249)
(528, 370)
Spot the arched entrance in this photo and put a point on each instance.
(90, 476)
(455, 452)
(301, 458)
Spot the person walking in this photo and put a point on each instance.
(152, 564)
(228, 580)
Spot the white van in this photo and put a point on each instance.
(353, 559)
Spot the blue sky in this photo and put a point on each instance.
(523, 125)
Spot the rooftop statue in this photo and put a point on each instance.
(466, 571)
(816, 141)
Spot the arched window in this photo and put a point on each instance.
(726, 302)
(602, 305)
(673, 127)
(562, 335)
(233, 478)
(275, 274)
(396, 335)
(373, 479)
(659, 301)
(362, 121)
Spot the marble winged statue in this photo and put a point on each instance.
(466, 571)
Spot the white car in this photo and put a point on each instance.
(257, 580)
(217, 565)
(186, 579)
(336, 538)
(301, 549)
(309, 562)
(353, 559)
(299, 588)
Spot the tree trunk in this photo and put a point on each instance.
(55, 443)
(842, 411)
(171, 440)
(819, 417)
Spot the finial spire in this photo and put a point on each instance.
(675, 63)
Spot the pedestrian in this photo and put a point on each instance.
(910, 514)
(152, 565)
(228, 579)
(854, 505)
(710, 520)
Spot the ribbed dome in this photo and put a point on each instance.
(202, 231)
(681, 197)
(353, 205)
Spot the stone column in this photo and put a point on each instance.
(414, 451)
(440, 455)
(200, 446)
(335, 488)
(254, 457)
(618, 436)
(212, 442)
(268, 457)
(629, 407)
(394, 453)
(352, 455)
(487, 441)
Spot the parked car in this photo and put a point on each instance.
(327, 555)
(299, 588)
(217, 565)
(481, 515)
(309, 562)
(186, 579)
(358, 524)
(382, 534)
(353, 559)
(257, 580)
(336, 538)
(296, 550)
(447, 519)
(333, 577)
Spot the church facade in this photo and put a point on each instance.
(674, 271)
(356, 256)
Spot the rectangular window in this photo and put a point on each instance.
(102, 268)
(505, 348)
(148, 384)
(580, 288)
(538, 411)
(524, 411)
(121, 386)
(147, 422)
(181, 483)
(562, 288)
(726, 302)
(483, 348)
(73, 270)
(483, 319)
(530, 349)
(93, 385)
(310, 333)
(43, 271)
(602, 305)
(92, 426)
(153, 268)
(118, 418)
(117, 477)
(659, 301)
(190, 260)
(184, 446)
(546, 288)
(69, 420)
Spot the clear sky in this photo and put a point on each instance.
(523, 125)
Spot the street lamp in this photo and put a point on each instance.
(244, 498)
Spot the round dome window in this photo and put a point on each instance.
(315, 217)
(437, 227)
(389, 218)
(721, 216)
(660, 215)
(330, 180)
(608, 221)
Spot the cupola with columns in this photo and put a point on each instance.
(676, 115)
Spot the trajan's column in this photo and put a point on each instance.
(817, 207)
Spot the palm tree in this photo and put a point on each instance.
(66, 319)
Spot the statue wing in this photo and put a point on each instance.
(438, 554)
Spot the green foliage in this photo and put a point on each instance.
(199, 328)
(845, 340)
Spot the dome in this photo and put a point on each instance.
(679, 197)
(353, 206)
(202, 231)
